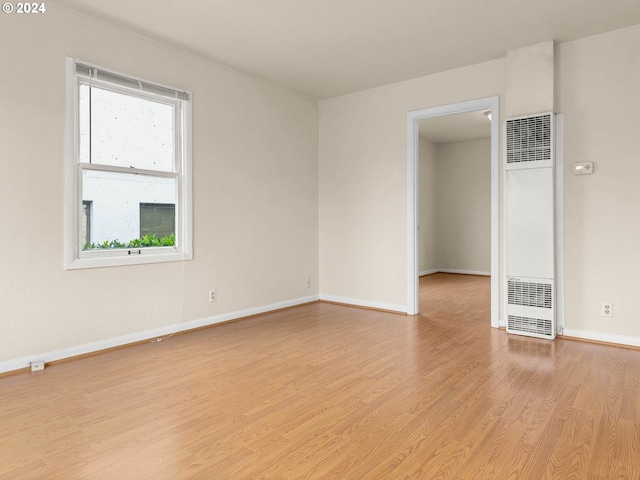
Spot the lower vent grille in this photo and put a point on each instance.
(538, 326)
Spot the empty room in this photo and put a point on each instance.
(250, 240)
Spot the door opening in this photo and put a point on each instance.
(490, 104)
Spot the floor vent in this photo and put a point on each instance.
(536, 326)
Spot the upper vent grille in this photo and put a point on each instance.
(530, 294)
(529, 139)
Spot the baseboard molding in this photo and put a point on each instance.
(450, 270)
(596, 337)
(600, 337)
(428, 272)
(364, 303)
(88, 348)
(465, 272)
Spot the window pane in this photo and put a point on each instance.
(125, 131)
(83, 123)
(85, 233)
(115, 205)
(157, 219)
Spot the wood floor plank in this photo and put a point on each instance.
(574, 451)
(325, 391)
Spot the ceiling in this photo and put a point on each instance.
(459, 127)
(326, 48)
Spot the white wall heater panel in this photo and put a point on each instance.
(530, 220)
(530, 214)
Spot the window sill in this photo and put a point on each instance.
(122, 260)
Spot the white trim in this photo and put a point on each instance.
(364, 303)
(20, 363)
(453, 270)
(146, 256)
(71, 154)
(185, 187)
(559, 220)
(464, 272)
(413, 303)
(130, 170)
(503, 239)
(129, 82)
(602, 337)
(489, 103)
(495, 215)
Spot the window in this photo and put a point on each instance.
(128, 170)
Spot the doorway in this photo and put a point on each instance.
(489, 104)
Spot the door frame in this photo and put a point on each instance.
(413, 117)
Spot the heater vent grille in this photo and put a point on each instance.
(529, 139)
(530, 294)
(537, 326)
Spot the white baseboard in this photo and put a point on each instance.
(602, 337)
(450, 270)
(596, 336)
(24, 362)
(428, 272)
(364, 303)
(465, 272)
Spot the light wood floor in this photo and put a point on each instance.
(325, 391)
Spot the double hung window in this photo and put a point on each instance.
(128, 169)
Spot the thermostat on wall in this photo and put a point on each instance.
(583, 168)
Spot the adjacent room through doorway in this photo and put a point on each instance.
(454, 213)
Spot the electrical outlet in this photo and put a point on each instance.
(213, 296)
(607, 309)
(37, 365)
(308, 282)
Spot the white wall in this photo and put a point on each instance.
(363, 184)
(455, 206)
(255, 192)
(262, 222)
(427, 206)
(463, 215)
(363, 195)
(598, 91)
(529, 79)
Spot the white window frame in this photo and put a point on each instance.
(75, 257)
